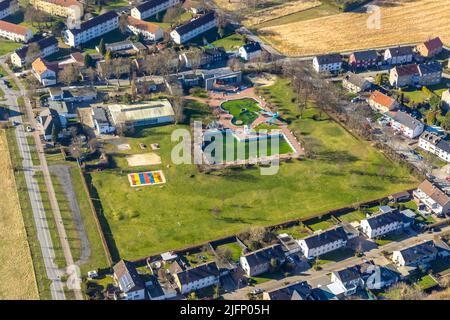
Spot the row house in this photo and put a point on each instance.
(381, 224)
(300, 290)
(250, 51)
(364, 59)
(91, 29)
(151, 8)
(60, 8)
(129, 281)
(434, 144)
(323, 242)
(201, 276)
(258, 262)
(424, 74)
(399, 55)
(149, 31)
(15, 32)
(47, 46)
(415, 255)
(45, 72)
(194, 28)
(381, 102)
(430, 48)
(208, 57)
(355, 83)
(435, 200)
(8, 7)
(327, 63)
(446, 99)
(407, 125)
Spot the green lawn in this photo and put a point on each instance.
(192, 207)
(230, 43)
(426, 282)
(7, 46)
(356, 215)
(236, 250)
(335, 256)
(297, 232)
(318, 224)
(391, 238)
(244, 111)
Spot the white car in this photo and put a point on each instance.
(92, 274)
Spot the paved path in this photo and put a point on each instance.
(313, 276)
(43, 162)
(40, 219)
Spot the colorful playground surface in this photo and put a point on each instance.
(148, 178)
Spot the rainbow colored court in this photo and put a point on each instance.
(148, 178)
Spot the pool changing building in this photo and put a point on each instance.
(141, 114)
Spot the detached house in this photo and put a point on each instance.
(149, 31)
(257, 262)
(209, 56)
(49, 122)
(15, 32)
(407, 125)
(323, 242)
(348, 279)
(434, 199)
(355, 83)
(381, 224)
(91, 29)
(415, 255)
(398, 55)
(47, 46)
(430, 48)
(150, 8)
(194, 28)
(45, 72)
(129, 281)
(327, 63)
(250, 51)
(296, 291)
(364, 59)
(8, 7)
(434, 144)
(382, 102)
(199, 277)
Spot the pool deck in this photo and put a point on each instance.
(216, 99)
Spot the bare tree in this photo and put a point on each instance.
(69, 74)
(123, 23)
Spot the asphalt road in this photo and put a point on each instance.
(40, 219)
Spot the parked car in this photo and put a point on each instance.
(257, 291)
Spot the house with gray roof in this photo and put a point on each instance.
(250, 51)
(407, 125)
(327, 62)
(151, 8)
(415, 255)
(364, 59)
(49, 121)
(381, 224)
(296, 291)
(129, 281)
(349, 279)
(434, 144)
(194, 28)
(323, 242)
(398, 55)
(355, 83)
(258, 262)
(201, 276)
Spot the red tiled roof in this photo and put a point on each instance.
(143, 25)
(11, 27)
(433, 44)
(382, 99)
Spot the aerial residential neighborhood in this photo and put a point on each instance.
(225, 150)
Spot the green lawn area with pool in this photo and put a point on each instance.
(192, 207)
(244, 111)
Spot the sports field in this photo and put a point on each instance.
(193, 207)
(17, 279)
(401, 22)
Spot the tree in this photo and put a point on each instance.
(192, 296)
(379, 79)
(88, 61)
(57, 28)
(108, 55)
(173, 14)
(178, 105)
(195, 57)
(123, 23)
(126, 98)
(101, 47)
(224, 255)
(431, 117)
(69, 74)
(33, 52)
(54, 132)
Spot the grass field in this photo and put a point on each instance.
(244, 111)
(402, 22)
(229, 43)
(192, 207)
(7, 46)
(17, 278)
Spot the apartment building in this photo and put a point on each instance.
(381, 224)
(194, 28)
(91, 29)
(323, 242)
(60, 8)
(150, 8)
(415, 255)
(148, 30)
(47, 46)
(407, 125)
(15, 32)
(8, 7)
(327, 63)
